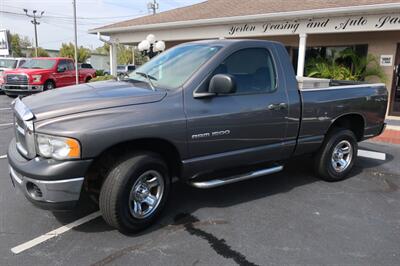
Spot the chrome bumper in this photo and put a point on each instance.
(57, 191)
(22, 88)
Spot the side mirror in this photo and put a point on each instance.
(222, 84)
(219, 84)
(61, 69)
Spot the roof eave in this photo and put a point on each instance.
(392, 7)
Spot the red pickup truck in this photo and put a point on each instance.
(43, 73)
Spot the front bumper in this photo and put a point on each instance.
(20, 89)
(58, 194)
(49, 184)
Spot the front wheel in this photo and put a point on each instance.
(49, 85)
(135, 192)
(336, 157)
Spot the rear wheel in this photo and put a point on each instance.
(135, 192)
(49, 85)
(336, 157)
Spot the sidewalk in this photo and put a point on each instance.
(391, 133)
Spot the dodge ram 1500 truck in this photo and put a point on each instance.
(43, 73)
(209, 113)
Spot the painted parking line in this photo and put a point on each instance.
(3, 156)
(372, 154)
(54, 233)
(4, 109)
(6, 124)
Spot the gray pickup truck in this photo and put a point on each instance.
(208, 113)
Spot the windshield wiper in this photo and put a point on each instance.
(149, 78)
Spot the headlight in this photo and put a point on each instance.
(36, 78)
(58, 148)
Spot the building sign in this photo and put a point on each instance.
(4, 45)
(320, 25)
(386, 60)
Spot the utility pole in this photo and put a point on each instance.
(152, 6)
(76, 45)
(35, 23)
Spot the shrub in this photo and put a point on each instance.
(362, 67)
(99, 72)
(101, 78)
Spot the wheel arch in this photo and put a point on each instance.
(352, 121)
(107, 158)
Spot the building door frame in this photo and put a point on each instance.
(395, 82)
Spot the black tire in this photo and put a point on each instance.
(88, 79)
(325, 159)
(115, 193)
(49, 85)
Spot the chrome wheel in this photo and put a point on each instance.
(146, 194)
(342, 156)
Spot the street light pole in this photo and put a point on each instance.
(35, 23)
(76, 45)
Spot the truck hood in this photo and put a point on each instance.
(28, 71)
(89, 97)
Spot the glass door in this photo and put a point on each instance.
(395, 95)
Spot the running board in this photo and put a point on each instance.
(236, 178)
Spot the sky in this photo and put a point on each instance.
(56, 25)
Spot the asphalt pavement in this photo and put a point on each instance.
(286, 218)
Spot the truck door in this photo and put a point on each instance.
(62, 73)
(71, 73)
(251, 122)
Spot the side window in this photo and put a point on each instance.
(21, 62)
(71, 65)
(252, 68)
(62, 65)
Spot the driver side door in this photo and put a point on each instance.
(244, 127)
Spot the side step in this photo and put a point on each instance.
(236, 178)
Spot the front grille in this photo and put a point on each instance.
(20, 132)
(23, 125)
(16, 79)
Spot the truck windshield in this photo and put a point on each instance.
(173, 67)
(8, 63)
(39, 64)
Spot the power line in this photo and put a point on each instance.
(34, 21)
(56, 15)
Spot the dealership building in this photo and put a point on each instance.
(305, 27)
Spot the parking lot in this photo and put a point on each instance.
(286, 218)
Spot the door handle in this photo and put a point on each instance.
(282, 106)
(277, 106)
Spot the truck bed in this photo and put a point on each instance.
(322, 106)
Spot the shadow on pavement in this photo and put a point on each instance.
(187, 200)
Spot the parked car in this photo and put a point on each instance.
(209, 113)
(9, 63)
(85, 65)
(43, 73)
(125, 70)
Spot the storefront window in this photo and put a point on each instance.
(328, 54)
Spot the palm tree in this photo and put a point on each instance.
(335, 67)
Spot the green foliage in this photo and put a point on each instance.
(140, 59)
(124, 54)
(105, 49)
(68, 50)
(18, 43)
(362, 67)
(41, 52)
(99, 72)
(102, 78)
